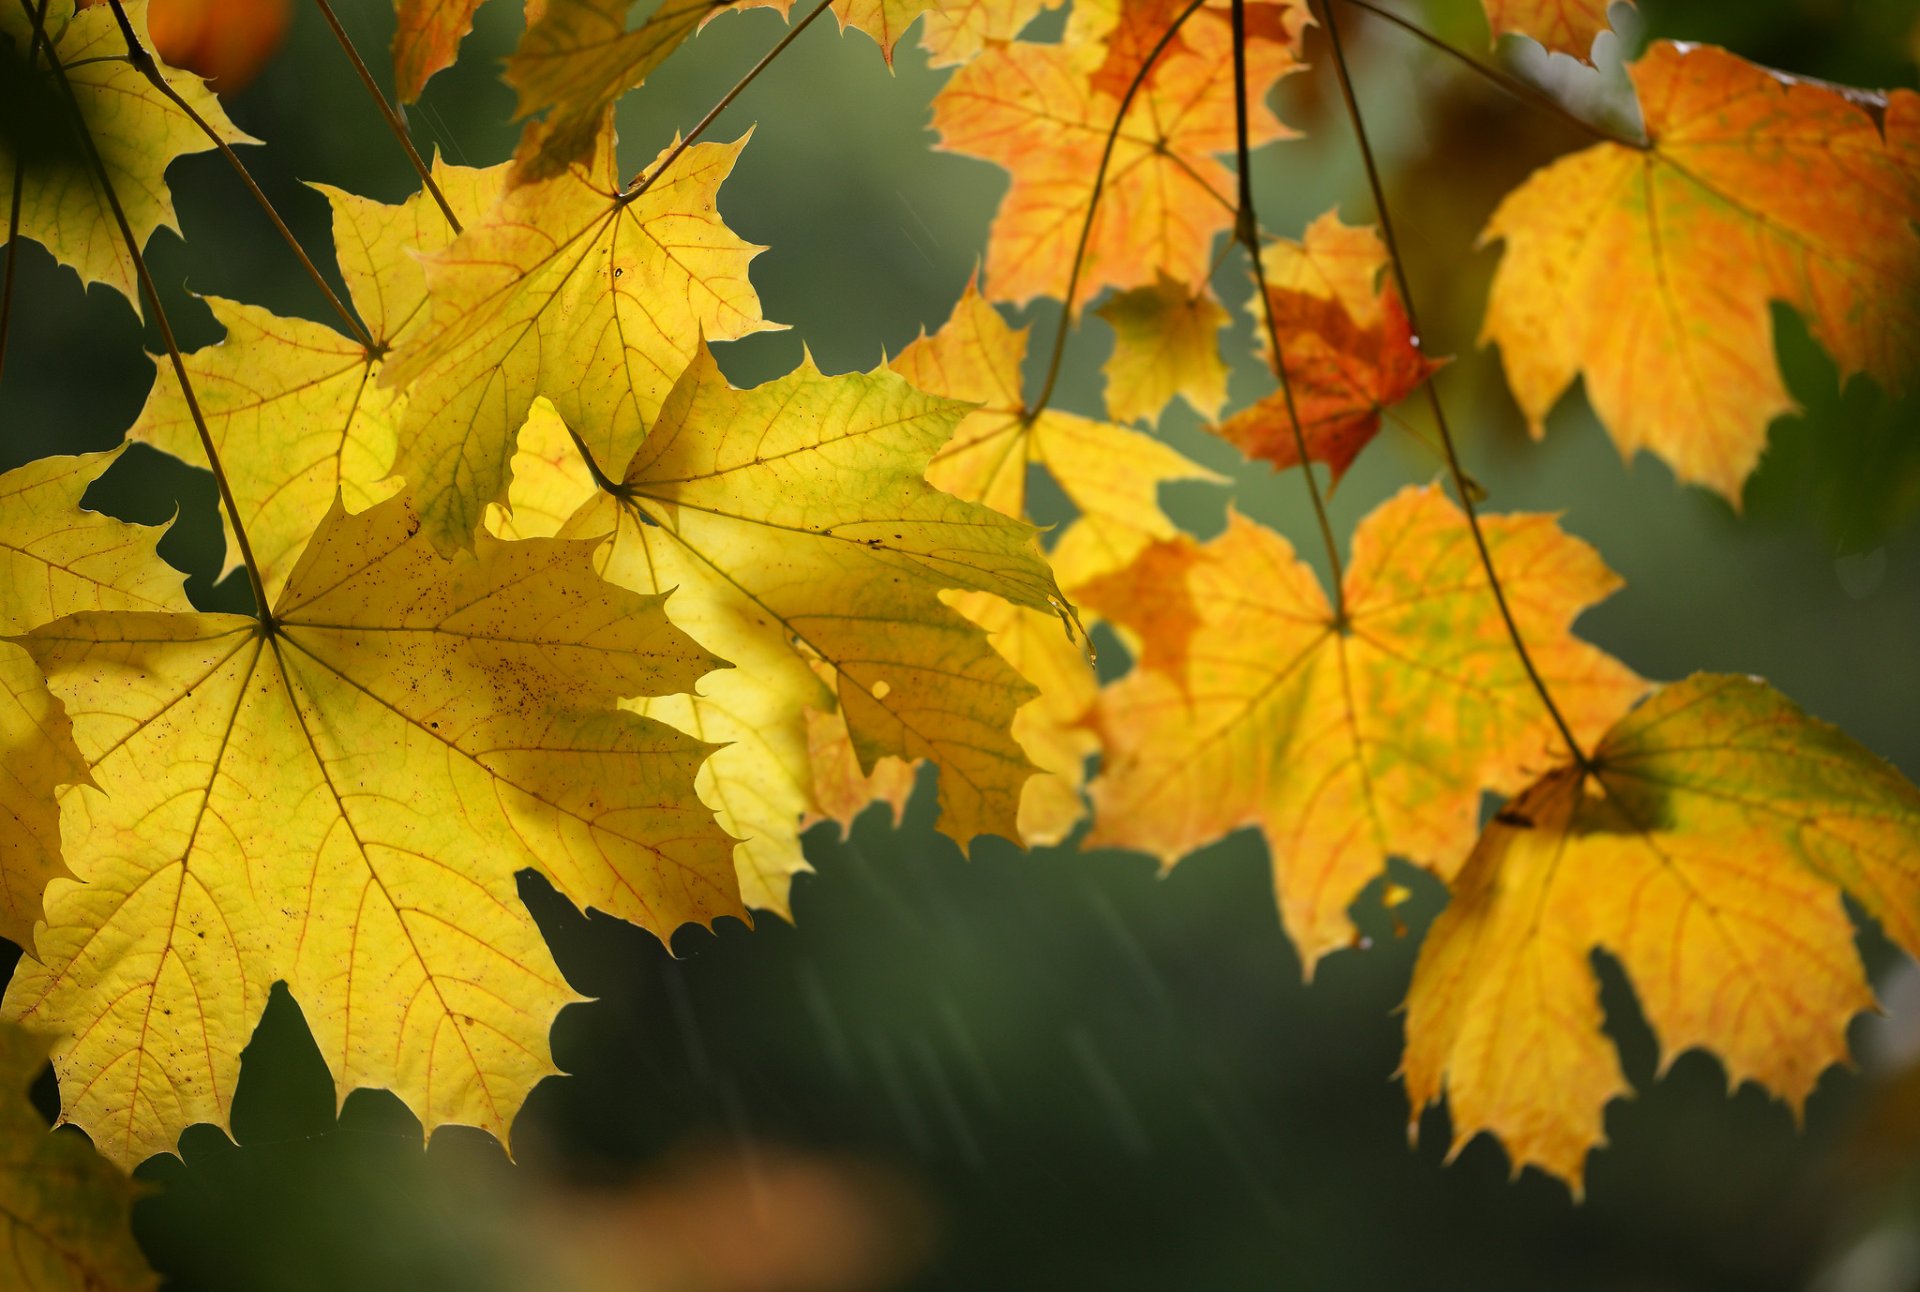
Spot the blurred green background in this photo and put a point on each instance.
(1059, 1069)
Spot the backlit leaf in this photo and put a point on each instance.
(1347, 744)
(566, 289)
(1707, 854)
(342, 803)
(55, 559)
(137, 131)
(1652, 273)
(1166, 342)
(1568, 26)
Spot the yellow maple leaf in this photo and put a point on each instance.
(1111, 475)
(954, 31)
(575, 59)
(1653, 272)
(1166, 342)
(884, 20)
(338, 797)
(1349, 743)
(294, 407)
(63, 1210)
(1035, 110)
(1706, 852)
(137, 131)
(568, 289)
(794, 524)
(55, 559)
(1566, 26)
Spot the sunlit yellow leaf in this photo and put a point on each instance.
(564, 289)
(137, 131)
(341, 801)
(293, 407)
(55, 559)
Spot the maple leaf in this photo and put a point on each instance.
(569, 289)
(426, 40)
(136, 131)
(575, 59)
(1707, 853)
(1568, 26)
(1110, 474)
(294, 407)
(1035, 111)
(1652, 272)
(884, 20)
(955, 31)
(64, 1211)
(55, 559)
(1165, 342)
(340, 800)
(1349, 743)
(1349, 350)
(793, 523)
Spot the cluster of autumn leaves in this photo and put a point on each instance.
(545, 591)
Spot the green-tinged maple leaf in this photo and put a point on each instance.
(566, 289)
(55, 559)
(426, 40)
(1166, 342)
(1349, 349)
(1566, 26)
(1035, 110)
(575, 60)
(1707, 853)
(1652, 272)
(1347, 744)
(795, 527)
(294, 407)
(63, 1210)
(136, 130)
(341, 802)
(1111, 475)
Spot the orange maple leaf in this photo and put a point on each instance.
(1568, 26)
(1035, 110)
(1350, 742)
(1350, 352)
(1653, 271)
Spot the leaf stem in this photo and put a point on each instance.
(647, 179)
(1045, 397)
(1513, 85)
(397, 127)
(145, 63)
(1461, 483)
(159, 318)
(1246, 228)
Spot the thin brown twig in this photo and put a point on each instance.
(1460, 480)
(143, 60)
(159, 319)
(646, 180)
(396, 126)
(1039, 404)
(1513, 85)
(1246, 228)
